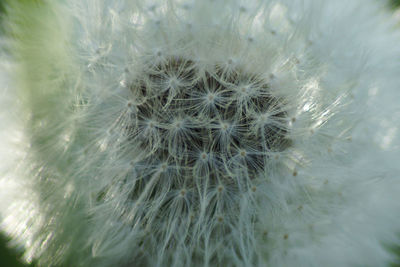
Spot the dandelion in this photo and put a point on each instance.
(200, 133)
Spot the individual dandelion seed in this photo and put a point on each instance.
(200, 133)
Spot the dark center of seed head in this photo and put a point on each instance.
(165, 104)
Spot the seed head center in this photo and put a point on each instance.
(199, 132)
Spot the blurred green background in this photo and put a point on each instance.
(9, 257)
(395, 3)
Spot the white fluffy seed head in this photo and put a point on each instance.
(201, 133)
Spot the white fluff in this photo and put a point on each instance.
(112, 155)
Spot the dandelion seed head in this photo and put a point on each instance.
(201, 133)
